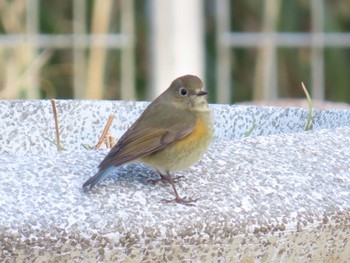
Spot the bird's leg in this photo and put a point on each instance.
(165, 179)
(177, 199)
(177, 178)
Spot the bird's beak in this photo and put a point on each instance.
(202, 93)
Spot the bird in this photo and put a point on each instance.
(171, 134)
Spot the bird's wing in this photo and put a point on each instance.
(149, 134)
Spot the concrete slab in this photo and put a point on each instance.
(280, 195)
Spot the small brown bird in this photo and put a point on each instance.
(171, 134)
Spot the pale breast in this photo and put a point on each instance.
(185, 152)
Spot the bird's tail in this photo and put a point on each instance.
(92, 181)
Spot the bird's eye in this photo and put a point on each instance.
(183, 92)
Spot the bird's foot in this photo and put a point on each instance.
(185, 201)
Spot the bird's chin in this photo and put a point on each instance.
(201, 105)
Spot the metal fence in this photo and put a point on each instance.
(88, 71)
(267, 42)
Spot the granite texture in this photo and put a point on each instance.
(280, 195)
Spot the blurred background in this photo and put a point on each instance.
(245, 50)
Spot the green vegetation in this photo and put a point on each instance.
(309, 117)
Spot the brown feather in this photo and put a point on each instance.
(149, 135)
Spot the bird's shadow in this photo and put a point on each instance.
(135, 174)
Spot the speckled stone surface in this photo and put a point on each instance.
(280, 195)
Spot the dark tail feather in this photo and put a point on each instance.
(92, 181)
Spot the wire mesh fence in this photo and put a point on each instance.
(106, 49)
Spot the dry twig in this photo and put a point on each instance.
(309, 118)
(58, 142)
(105, 131)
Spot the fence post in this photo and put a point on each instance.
(317, 58)
(79, 58)
(177, 45)
(97, 57)
(265, 83)
(127, 88)
(32, 23)
(223, 64)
